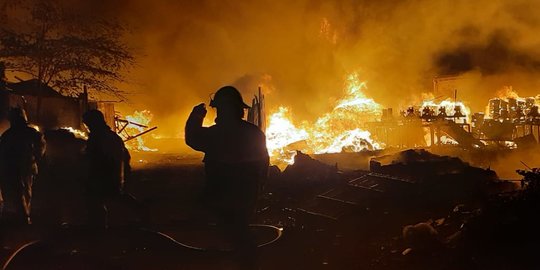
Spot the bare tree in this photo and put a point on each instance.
(63, 48)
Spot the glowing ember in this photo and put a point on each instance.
(334, 132)
(143, 118)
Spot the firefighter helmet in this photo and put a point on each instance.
(228, 95)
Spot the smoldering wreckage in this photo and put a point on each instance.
(395, 189)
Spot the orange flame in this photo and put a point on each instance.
(143, 118)
(77, 133)
(336, 131)
(449, 107)
(280, 133)
(506, 93)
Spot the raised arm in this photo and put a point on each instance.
(195, 133)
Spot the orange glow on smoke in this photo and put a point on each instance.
(507, 92)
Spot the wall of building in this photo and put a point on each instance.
(52, 113)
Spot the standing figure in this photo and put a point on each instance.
(21, 149)
(2, 76)
(108, 164)
(4, 98)
(236, 159)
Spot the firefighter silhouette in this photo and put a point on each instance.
(236, 159)
(108, 164)
(21, 149)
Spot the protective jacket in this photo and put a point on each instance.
(236, 160)
(108, 162)
(21, 149)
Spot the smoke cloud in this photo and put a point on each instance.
(301, 51)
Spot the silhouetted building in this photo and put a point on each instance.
(47, 108)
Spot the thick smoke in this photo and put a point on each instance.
(302, 50)
(497, 56)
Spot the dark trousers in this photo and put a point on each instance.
(17, 195)
(97, 210)
(98, 213)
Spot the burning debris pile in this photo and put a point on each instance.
(446, 109)
(509, 119)
(357, 123)
(133, 127)
(305, 168)
(510, 106)
(305, 176)
(334, 132)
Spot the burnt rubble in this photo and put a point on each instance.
(403, 188)
(412, 180)
(299, 182)
(499, 233)
(379, 219)
(305, 178)
(438, 179)
(306, 168)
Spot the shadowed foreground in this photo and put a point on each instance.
(168, 189)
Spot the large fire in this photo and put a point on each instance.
(142, 118)
(137, 122)
(450, 107)
(336, 131)
(508, 101)
(280, 133)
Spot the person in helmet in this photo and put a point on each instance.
(21, 149)
(236, 159)
(108, 164)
